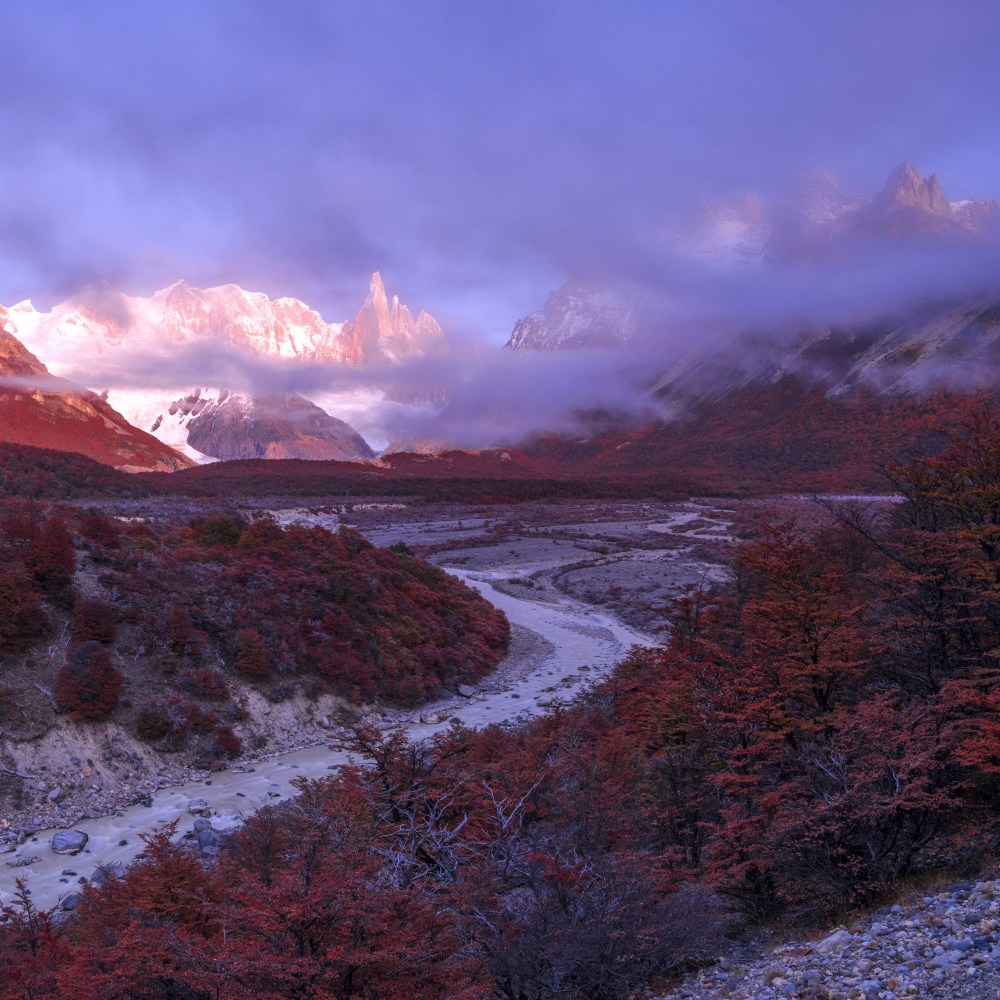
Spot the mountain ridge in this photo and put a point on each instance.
(816, 224)
(45, 411)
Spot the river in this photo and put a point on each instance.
(580, 636)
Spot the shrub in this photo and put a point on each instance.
(88, 685)
(207, 682)
(170, 721)
(22, 619)
(227, 742)
(179, 629)
(94, 619)
(218, 530)
(51, 556)
(101, 530)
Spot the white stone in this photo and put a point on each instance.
(836, 942)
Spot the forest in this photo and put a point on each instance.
(808, 739)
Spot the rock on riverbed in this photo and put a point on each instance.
(69, 841)
(945, 945)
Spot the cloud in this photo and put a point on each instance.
(477, 154)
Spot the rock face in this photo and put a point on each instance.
(69, 841)
(391, 333)
(905, 189)
(41, 410)
(287, 426)
(911, 205)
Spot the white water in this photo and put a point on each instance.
(580, 637)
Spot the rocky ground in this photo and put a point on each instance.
(71, 771)
(941, 945)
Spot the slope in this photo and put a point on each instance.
(40, 410)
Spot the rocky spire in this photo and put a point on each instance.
(905, 188)
(376, 294)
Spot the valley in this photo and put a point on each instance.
(580, 582)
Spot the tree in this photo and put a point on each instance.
(51, 556)
(251, 657)
(101, 530)
(88, 685)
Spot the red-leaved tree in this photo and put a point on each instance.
(88, 685)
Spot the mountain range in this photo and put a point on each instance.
(102, 333)
(105, 338)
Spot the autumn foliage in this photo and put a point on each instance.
(94, 619)
(88, 684)
(820, 728)
(22, 617)
(268, 601)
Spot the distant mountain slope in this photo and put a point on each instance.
(575, 316)
(216, 424)
(43, 411)
(817, 224)
(939, 345)
(281, 426)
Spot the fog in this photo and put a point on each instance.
(480, 156)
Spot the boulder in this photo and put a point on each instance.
(71, 902)
(200, 825)
(207, 839)
(105, 873)
(465, 691)
(834, 943)
(55, 795)
(69, 841)
(196, 806)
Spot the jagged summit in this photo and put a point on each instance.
(905, 188)
(90, 325)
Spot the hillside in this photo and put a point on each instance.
(42, 411)
(180, 639)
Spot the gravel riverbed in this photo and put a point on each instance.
(942, 945)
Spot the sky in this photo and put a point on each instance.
(477, 154)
